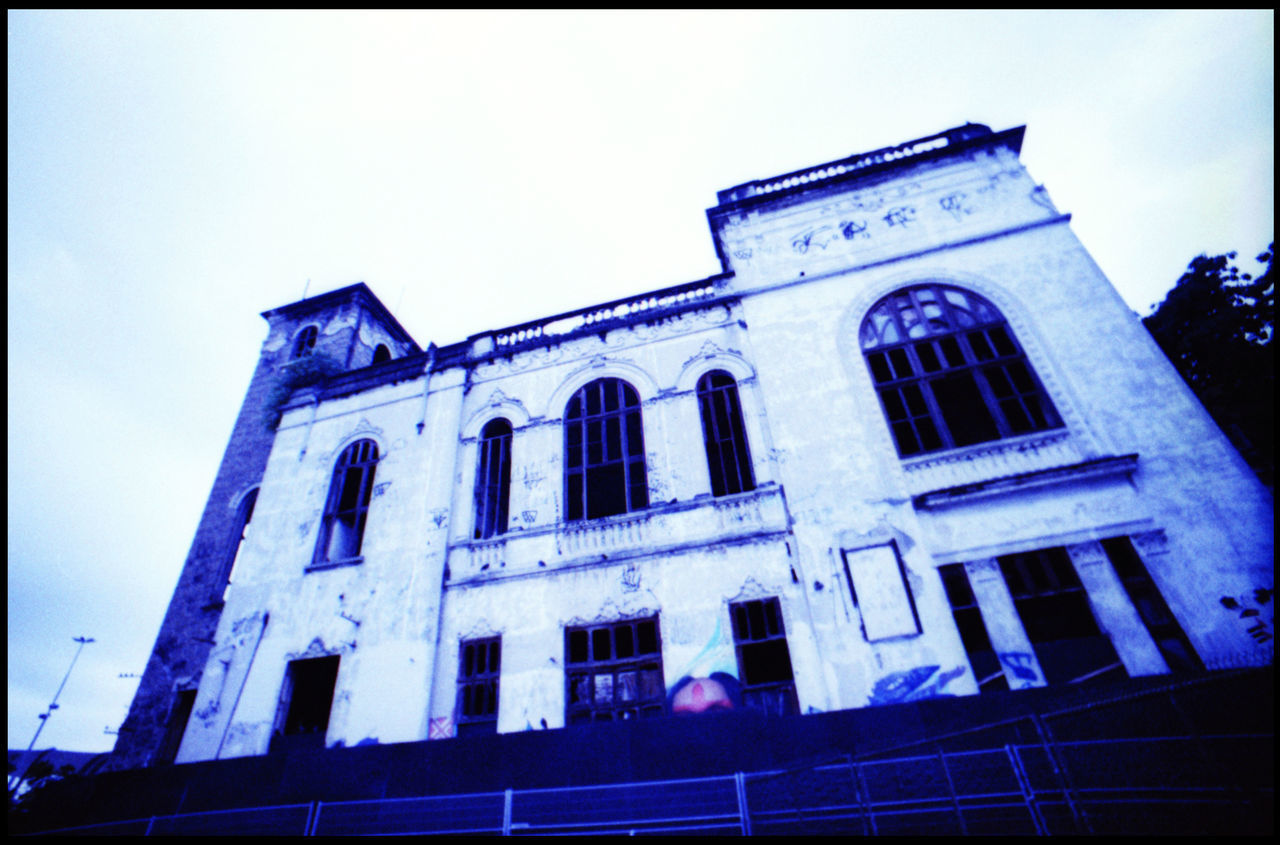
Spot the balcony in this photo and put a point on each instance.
(661, 529)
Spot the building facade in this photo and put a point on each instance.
(909, 443)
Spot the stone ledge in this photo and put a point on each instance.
(1020, 482)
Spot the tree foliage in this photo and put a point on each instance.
(1216, 327)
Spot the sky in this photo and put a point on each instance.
(173, 175)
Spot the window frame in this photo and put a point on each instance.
(477, 685)
(604, 486)
(950, 375)
(724, 435)
(492, 494)
(361, 456)
(304, 342)
(645, 666)
(774, 697)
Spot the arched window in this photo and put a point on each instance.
(604, 470)
(726, 440)
(949, 371)
(244, 514)
(305, 341)
(347, 507)
(381, 353)
(493, 479)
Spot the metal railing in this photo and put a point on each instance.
(1178, 784)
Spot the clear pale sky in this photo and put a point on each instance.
(172, 175)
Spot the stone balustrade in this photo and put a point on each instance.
(661, 529)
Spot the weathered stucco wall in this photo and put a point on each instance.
(847, 535)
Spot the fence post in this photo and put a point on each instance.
(744, 814)
(1028, 792)
(506, 812)
(951, 789)
(151, 821)
(1078, 814)
(857, 794)
(313, 819)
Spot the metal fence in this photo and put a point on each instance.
(1152, 785)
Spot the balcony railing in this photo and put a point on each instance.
(853, 163)
(660, 528)
(597, 317)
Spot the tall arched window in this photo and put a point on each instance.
(347, 507)
(244, 514)
(949, 371)
(728, 458)
(493, 479)
(305, 341)
(604, 470)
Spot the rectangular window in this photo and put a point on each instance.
(879, 588)
(305, 702)
(613, 671)
(1152, 608)
(973, 631)
(764, 661)
(183, 703)
(479, 664)
(1058, 619)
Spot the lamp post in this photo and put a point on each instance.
(44, 717)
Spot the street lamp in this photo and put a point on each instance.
(44, 717)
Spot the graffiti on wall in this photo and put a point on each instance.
(691, 696)
(1250, 607)
(1021, 664)
(913, 685)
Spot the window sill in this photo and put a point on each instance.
(335, 564)
(1018, 443)
(1123, 465)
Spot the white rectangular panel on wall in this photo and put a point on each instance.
(881, 592)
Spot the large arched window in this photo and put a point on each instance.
(604, 470)
(728, 458)
(347, 507)
(493, 479)
(949, 371)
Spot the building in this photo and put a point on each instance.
(909, 443)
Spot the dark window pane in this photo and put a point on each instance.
(966, 414)
(928, 357)
(879, 367)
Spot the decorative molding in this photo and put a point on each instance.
(1124, 465)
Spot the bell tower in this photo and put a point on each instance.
(307, 342)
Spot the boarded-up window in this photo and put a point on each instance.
(613, 671)
(879, 588)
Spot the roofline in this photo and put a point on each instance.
(359, 292)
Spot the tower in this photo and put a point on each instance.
(307, 341)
